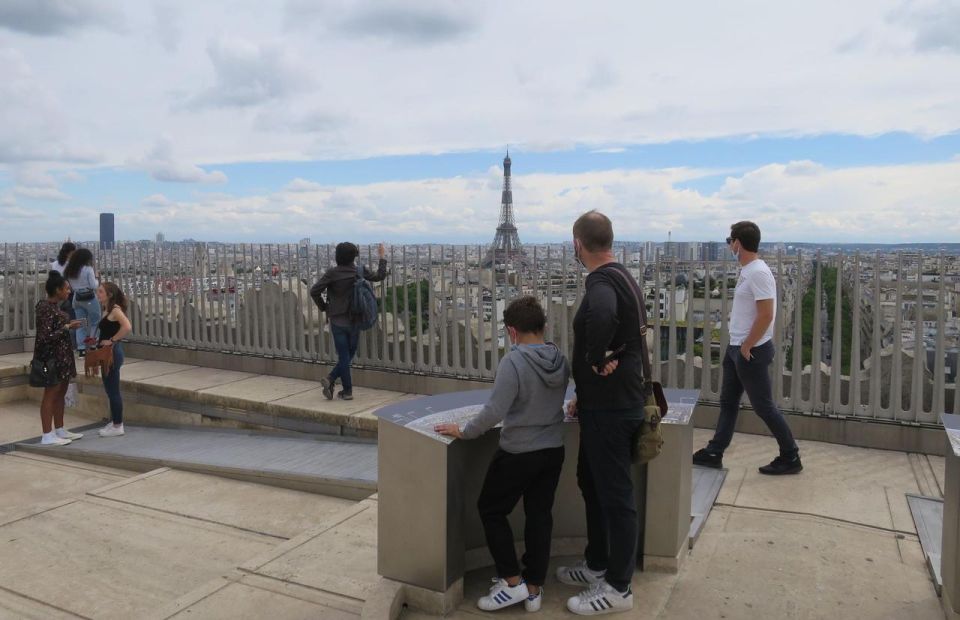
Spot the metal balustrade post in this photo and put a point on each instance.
(836, 353)
(855, 406)
(896, 376)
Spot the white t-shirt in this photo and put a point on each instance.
(55, 266)
(754, 284)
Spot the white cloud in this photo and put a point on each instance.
(302, 185)
(425, 22)
(162, 166)
(872, 203)
(166, 15)
(35, 125)
(40, 193)
(936, 25)
(55, 17)
(248, 73)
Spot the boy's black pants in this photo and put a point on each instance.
(534, 477)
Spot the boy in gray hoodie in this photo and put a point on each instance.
(527, 397)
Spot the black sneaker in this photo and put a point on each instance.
(345, 395)
(327, 388)
(705, 458)
(83, 353)
(782, 465)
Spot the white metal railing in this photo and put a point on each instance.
(857, 358)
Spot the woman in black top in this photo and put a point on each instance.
(113, 327)
(53, 343)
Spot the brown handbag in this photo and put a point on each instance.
(648, 441)
(98, 361)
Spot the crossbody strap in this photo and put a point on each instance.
(642, 313)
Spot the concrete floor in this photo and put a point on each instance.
(80, 540)
(88, 541)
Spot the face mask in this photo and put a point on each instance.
(736, 252)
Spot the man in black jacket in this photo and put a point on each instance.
(609, 405)
(338, 283)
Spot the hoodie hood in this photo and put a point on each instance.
(547, 362)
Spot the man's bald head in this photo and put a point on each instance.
(594, 231)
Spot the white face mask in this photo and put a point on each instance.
(734, 250)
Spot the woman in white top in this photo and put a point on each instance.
(83, 282)
(66, 250)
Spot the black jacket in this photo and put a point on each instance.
(608, 317)
(337, 283)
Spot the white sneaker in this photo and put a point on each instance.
(600, 598)
(63, 433)
(111, 431)
(579, 574)
(503, 595)
(51, 439)
(534, 601)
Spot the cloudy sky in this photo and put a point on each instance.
(265, 120)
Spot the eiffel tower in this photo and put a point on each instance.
(506, 246)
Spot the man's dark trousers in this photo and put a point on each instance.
(533, 476)
(752, 376)
(604, 474)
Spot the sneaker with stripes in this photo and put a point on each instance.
(503, 595)
(579, 574)
(600, 598)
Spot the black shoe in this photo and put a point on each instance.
(345, 395)
(783, 465)
(327, 388)
(83, 353)
(705, 458)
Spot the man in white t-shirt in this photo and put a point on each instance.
(746, 362)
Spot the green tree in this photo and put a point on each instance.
(411, 299)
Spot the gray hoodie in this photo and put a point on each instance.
(528, 398)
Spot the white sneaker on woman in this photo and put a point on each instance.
(111, 431)
(63, 433)
(51, 439)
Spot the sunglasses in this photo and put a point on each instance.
(731, 240)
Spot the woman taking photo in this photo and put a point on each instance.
(83, 281)
(53, 343)
(113, 327)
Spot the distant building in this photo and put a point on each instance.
(711, 251)
(161, 238)
(107, 238)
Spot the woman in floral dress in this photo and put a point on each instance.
(53, 341)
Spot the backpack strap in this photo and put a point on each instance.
(642, 313)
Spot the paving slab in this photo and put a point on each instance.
(13, 606)
(363, 399)
(29, 485)
(243, 600)
(262, 389)
(939, 466)
(752, 564)
(147, 370)
(842, 482)
(333, 467)
(277, 512)
(196, 379)
(104, 560)
(341, 559)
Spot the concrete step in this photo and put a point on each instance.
(336, 467)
